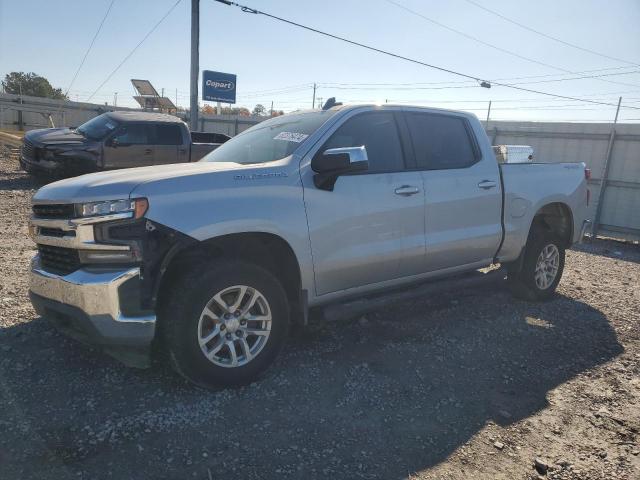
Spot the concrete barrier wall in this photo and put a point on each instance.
(29, 113)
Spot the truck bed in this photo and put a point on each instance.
(529, 186)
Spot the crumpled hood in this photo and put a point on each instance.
(117, 184)
(53, 136)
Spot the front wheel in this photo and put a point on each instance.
(225, 323)
(542, 266)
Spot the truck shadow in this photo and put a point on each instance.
(380, 396)
(616, 249)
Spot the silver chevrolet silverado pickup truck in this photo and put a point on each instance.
(212, 261)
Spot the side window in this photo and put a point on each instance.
(378, 133)
(168, 135)
(135, 134)
(440, 141)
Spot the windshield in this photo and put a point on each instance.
(97, 128)
(270, 140)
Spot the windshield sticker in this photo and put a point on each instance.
(291, 137)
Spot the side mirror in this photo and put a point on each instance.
(332, 163)
(113, 142)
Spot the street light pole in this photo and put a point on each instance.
(195, 63)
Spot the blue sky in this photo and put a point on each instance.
(50, 38)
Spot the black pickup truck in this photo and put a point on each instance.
(115, 140)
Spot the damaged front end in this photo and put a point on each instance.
(97, 273)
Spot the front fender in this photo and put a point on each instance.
(208, 206)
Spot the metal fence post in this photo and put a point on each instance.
(605, 173)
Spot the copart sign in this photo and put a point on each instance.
(218, 87)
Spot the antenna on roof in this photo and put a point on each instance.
(331, 103)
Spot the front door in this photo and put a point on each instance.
(130, 146)
(370, 228)
(462, 191)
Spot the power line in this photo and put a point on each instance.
(407, 59)
(93, 40)
(495, 47)
(269, 90)
(550, 37)
(468, 81)
(340, 87)
(134, 49)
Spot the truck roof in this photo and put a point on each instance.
(382, 106)
(144, 117)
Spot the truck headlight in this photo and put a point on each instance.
(138, 207)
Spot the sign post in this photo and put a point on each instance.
(218, 87)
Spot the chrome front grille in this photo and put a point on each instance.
(28, 150)
(58, 260)
(61, 210)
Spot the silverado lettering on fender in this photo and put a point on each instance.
(213, 260)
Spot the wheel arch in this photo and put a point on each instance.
(554, 216)
(267, 250)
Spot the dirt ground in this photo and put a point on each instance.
(471, 384)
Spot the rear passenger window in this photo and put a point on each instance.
(378, 133)
(168, 135)
(440, 141)
(134, 134)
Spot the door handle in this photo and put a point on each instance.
(406, 190)
(487, 184)
(148, 151)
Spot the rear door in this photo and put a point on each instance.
(370, 228)
(168, 141)
(462, 190)
(130, 146)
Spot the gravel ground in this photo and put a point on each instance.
(453, 387)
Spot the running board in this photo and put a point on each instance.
(465, 282)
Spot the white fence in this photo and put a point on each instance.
(612, 155)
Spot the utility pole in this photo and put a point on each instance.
(271, 112)
(195, 63)
(176, 99)
(314, 96)
(488, 113)
(115, 99)
(605, 173)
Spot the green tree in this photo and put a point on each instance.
(259, 109)
(31, 84)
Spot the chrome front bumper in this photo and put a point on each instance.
(91, 306)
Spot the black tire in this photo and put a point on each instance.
(523, 283)
(181, 314)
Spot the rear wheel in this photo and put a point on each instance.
(226, 323)
(542, 266)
